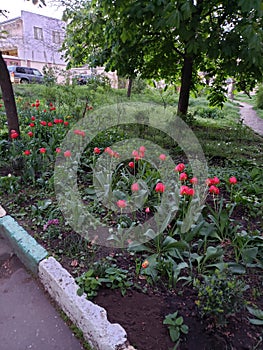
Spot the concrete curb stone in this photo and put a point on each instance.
(25, 246)
(90, 318)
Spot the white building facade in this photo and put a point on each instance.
(33, 40)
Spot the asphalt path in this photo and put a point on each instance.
(250, 118)
(28, 318)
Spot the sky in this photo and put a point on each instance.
(15, 6)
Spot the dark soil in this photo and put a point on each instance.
(142, 316)
(142, 309)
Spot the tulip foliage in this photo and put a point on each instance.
(172, 40)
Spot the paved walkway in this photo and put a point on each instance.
(28, 319)
(250, 118)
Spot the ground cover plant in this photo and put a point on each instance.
(173, 284)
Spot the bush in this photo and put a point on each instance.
(219, 296)
(259, 98)
(208, 112)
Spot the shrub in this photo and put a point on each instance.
(208, 112)
(259, 98)
(219, 296)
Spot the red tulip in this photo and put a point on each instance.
(67, 153)
(96, 150)
(135, 187)
(179, 167)
(160, 187)
(183, 177)
(122, 203)
(213, 189)
(42, 150)
(14, 134)
(194, 180)
(232, 180)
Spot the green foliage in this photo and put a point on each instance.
(89, 283)
(176, 327)
(208, 112)
(220, 216)
(9, 184)
(103, 274)
(162, 39)
(259, 98)
(220, 295)
(139, 85)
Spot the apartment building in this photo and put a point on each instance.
(33, 40)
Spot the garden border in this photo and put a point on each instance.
(90, 318)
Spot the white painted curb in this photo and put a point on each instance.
(2, 212)
(90, 318)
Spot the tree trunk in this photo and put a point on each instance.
(8, 98)
(186, 80)
(129, 88)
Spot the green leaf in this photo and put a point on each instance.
(174, 334)
(150, 233)
(249, 254)
(179, 321)
(184, 328)
(256, 322)
(213, 252)
(174, 19)
(256, 312)
(236, 268)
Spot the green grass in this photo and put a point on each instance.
(222, 137)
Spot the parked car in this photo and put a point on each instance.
(82, 79)
(25, 75)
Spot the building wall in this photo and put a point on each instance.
(38, 34)
(35, 39)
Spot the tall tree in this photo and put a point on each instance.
(8, 98)
(168, 39)
(7, 88)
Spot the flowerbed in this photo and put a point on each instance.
(181, 248)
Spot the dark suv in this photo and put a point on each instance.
(82, 79)
(25, 75)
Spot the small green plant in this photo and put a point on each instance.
(88, 283)
(103, 274)
(220, 216)
(219, 296)
(116, 277)
(176, 327)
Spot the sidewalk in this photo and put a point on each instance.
(250, 118)
(28, 319)
(31, 282)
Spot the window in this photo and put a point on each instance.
(56, 37)
(21, 70)
(38, 33)
(36, 72)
